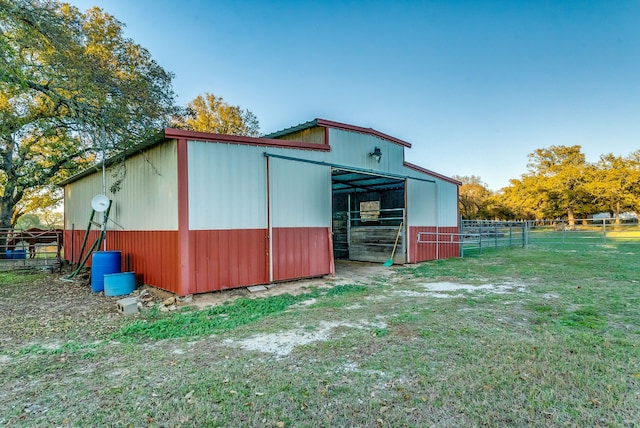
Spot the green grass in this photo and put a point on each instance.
(558, 348)
(217, 319)
(13, 279)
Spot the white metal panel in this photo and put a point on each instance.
(421, 203)
(77, 201)
(447, 204)
(147, 198)
(300, 194)
(227, 186)
(353, 148)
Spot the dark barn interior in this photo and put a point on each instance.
(368, 210)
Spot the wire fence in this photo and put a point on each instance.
(478, 235)
(601, 231)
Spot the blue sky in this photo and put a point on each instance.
(474, 86)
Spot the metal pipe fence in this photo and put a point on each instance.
(385, 216)
(550, 233)
(478, 235)
(30, 248)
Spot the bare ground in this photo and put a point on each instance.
(63, 308)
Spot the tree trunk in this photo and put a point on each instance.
(7, 198)
(6, 210)
(616, 214)
(571, 217)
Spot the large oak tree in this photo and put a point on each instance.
(554, 185)
(615, 184)
(72, 86)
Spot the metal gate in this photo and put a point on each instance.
(370, 235)
(476, 235)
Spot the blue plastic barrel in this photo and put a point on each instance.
(103, 263)
(9, 254)
(119, 284)
(19, 254)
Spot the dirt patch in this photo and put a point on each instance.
(347, 272)
(443, 290)
(293, 287)
(284, 342)
(54, 308)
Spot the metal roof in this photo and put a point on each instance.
(337, 125)
(137, 148)
(347, 181)
(292, 129)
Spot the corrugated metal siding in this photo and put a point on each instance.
(300, 194)
(353, 148)
(300, 252)
(432, 204)
(433, 208)
(227, 186)
(147, 199)
(310, 135)
(447, 204)
(446, 246)
(73, 244)
(447, 198)
(151, 254)
(228, 258)
(421, 203)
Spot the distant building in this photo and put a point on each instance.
(625, 217)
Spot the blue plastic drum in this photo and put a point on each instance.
(119, 284)
(103, 263)
(19, 254)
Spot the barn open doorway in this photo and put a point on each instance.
(368, 210)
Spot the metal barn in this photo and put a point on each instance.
(199, 212)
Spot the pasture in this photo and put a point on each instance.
(537, 336)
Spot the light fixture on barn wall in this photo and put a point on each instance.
(376, 154)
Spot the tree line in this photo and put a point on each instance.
(559, 183)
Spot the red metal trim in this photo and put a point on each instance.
(431, 173)
(186, 274)
(235, 139)
(370, 131)
(458, 207)
(407, 245)
(444, 249)
(332, 260)
(151, 254)
(269, 253)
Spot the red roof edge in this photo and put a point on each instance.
(431, 173)
(370, 131)
(237, 139)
